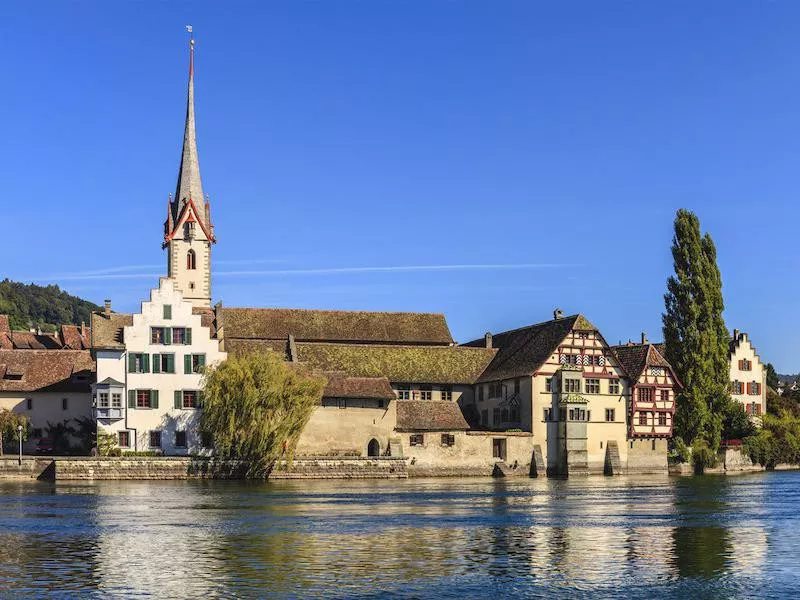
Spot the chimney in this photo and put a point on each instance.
(83, 328)
(735, 334)
(644, 338)
(107, 308)
(488, 339)
(557, 314)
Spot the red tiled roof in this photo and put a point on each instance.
(46, 370)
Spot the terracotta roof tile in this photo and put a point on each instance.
(107, 332)
(46, 370)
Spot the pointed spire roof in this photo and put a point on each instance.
(190, 185)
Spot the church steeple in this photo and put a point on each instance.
(188, 232)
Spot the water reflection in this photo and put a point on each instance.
(712, 536)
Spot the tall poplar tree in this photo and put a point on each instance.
(696, 338)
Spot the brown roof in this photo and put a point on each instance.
(412, 364)
(107, 332)
(523, 351)
(46, 370)
(429, 415)
(341, 386)
(4, 324)
(207, 318)
(336, 326)
(31, 340)
(635, 358)
(76, 337)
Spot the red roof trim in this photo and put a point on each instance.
(189, 211)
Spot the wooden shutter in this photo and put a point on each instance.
(153, 398)
(145, 363)
(187, 363)
(178, 399)
(131, 398)
(131, 363)
(170, 366)
(187, 336)
(167, 335)
(201, 360)
(167, 311)
(156, 363)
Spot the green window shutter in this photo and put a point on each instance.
(156, 363)
(187, 363)
(167, 311)
(145, 363)
(153, 398)
(167, 335)
(178, 399)
(170, 363)
(131, 363)
(131, 398)
(187, 337)
(201, 359)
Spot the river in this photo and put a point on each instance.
(701, 537)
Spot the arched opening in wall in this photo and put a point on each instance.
(191, 260)
(373, 448)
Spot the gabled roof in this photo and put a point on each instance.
(635, 358)
(31, 340)
(521, 352)
(108, 331)
(336, 326)
(75, 337)
(341, 386)
(46, 370)
(429, 415)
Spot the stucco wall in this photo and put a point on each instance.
(333, 430)
(745, 350)
(47, 408)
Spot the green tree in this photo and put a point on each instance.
(9, 427)
(697, 339)
(255, 403)
(777, 442)
(772, 377)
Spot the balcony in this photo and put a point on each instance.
(109, 414)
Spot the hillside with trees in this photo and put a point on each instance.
(46, 307)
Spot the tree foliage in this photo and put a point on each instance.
(9, 427)
(255, 403)
(697, 339)
(31, 305)
(777, 405)
(777, 442)
(772, 377)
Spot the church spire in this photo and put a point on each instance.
(190, 185)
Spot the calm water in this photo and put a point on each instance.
(709, 537)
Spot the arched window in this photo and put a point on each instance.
(191, 260)
(373, 448)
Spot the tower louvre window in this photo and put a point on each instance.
(191, 260)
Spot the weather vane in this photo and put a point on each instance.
(191, 35)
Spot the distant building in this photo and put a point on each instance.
(66, 337)
(748, 375)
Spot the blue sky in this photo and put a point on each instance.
(340, 140)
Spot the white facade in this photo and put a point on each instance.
(748, 375)
(148, 395)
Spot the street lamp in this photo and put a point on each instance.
(19, 435)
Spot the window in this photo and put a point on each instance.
(600, 360)
(180, 439)
(548, 384)
(516, 385)
(613, 386)
(642, 418)
(656, 371)
(116, 399)
(546, 415)
(480, 393)
(416, 439)
(182, 335)
(142, 398)
(572, 386)
(562, 414)
(583, 335)
(158, 335)
(163, 363)
(754, 388)
(188, 230)
(447, 393)
(664, 396)
(193, 363)
(448, 440)
(653, 445)
(403, 392)
(662, 419)
(155, 439)
(138, 363)
(64, 403)
(124, 439)
(737, 387)
(341, 403)
(495, 389)
(504, 418)
(425, 393)
(485, 417)
(592, 386)
(167, 311)
(191, 285)
(514, 416)
(191, 260)
(29, 403)
(188, 399)
(499, 448)
(745, 365)
(102, 400)
(610, 416)
(645, 395)
(497, 416)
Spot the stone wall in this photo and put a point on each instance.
(133, 467)
(327, 467)
(32, 467)
(643, 457)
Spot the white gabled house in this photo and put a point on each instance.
(150, 371)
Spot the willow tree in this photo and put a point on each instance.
(254, 408)
(696, 338)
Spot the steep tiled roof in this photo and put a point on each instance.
(635, 358)
(46, 370)
(30, 340)
(207, 318)
(107, 332)
(336, 326)
(523, 351)
(412, 364)
(239, 346)
(429, 415)
(76, 338)
(341, 386)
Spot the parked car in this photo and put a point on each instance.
(44, 446)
